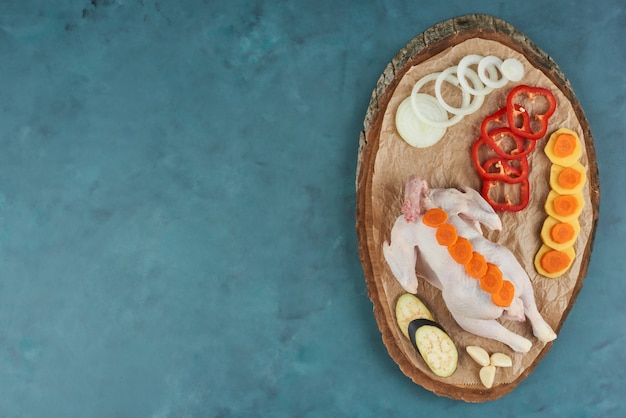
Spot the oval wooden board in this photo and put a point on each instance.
(385, 161)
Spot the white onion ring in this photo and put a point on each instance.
(416, 108)
(491, 80)
(476, 90)
(415, 132)
(448, 76)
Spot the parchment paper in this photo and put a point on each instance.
(448, 164)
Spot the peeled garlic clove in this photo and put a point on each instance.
(487, 375)
(479, 354)
(500, 360)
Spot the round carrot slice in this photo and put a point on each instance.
(565, 205)
(562, 232)
(435, 217)
(554, 261)
(461, 250)
(572, 226)
(491, 282)
(477, 266)
(446, 235)
(564, 145)
(569, 178)
(505, 295)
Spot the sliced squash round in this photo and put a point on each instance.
(546, 251)
(568, 180)
(554, 233)
(435, 346)
(408, 308)
(566, 150)
(571, 206)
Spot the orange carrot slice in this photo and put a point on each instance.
(569, 178)
(505, 295)
(477, 266)
(562, 232)
(435, 217)
(461, 250)
(491, 281)
(446, 235)
(565, 205)
(554, 261)
(572, 204)
(564, 145)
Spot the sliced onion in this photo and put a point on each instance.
(490, 79)
(466, 107)
(415, 103)
(512, 69)
(414, 131)
(478, 89)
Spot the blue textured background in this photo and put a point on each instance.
(177, 209)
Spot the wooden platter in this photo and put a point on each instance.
(385, 161)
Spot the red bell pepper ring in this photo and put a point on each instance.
(514, 110)
(498, 116)
(507, 205)
(505, 171)
(493, 137)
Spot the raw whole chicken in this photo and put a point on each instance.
(413, 245)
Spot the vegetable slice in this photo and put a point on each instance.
(504, 171)
(497, 136)
(408, 308)
(505, 295)
(413, 130)
(539, 261)
(435, 217)
(491, 281)
(568, 178)
(565, 205)
(477, 266)
(461, 250)
(564, 145)
(507, 204)
(562, 232)
(435, 346)
(512, 69)
(565, 208)
(465, 109)
(540, 120)
(446, 235)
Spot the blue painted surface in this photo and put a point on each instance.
(177, 209)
